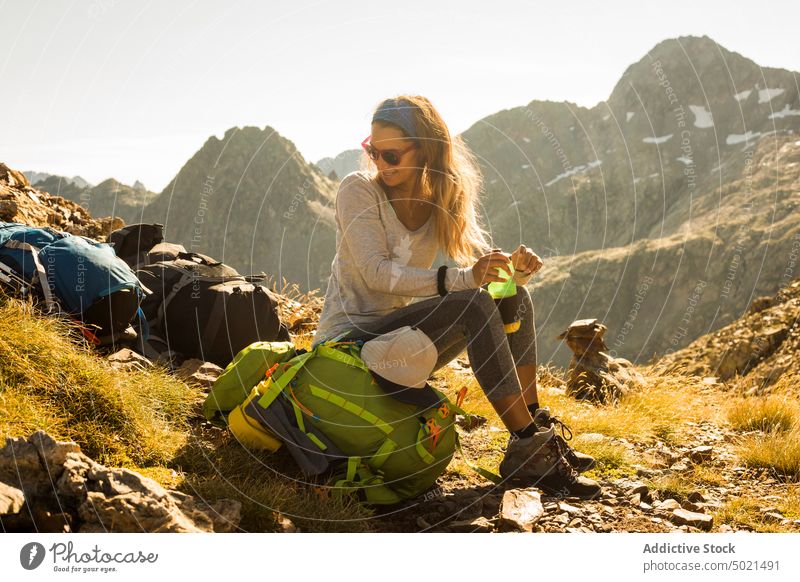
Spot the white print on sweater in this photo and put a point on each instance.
(402, 256)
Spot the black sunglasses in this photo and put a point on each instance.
(391, 157)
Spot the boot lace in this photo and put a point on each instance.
(565, 430)
(564, 468)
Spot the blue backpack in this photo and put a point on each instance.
(73, 274)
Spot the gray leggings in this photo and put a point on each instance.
(469, 319)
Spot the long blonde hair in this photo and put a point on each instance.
(451, 180)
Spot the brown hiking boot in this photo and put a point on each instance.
(537, 461)
(579, 461)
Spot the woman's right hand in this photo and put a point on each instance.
(485, 268)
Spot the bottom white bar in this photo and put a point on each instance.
(352, 557)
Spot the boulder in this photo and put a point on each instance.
(570, 509)
(693, 519)
(19, 202)
(773, 516)
(127, 359)
(71, 492)
(8, 209)
(642, 490)
(668, 505)
(680, 467)
(11, 499)
(470, 422)
(521, 509)
(198, 372)
(691, 506)
(735, 358)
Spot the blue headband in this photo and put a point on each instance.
(400, 113)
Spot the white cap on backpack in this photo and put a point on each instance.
(401, 361)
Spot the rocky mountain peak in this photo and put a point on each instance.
(252, 200)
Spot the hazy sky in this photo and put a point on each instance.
(131, 89)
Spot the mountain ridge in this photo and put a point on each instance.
(253, 201)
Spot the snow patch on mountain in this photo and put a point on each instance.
(573, 171)
(702, 117)
(657, 140)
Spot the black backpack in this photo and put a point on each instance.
(131, 243)
(203, 308)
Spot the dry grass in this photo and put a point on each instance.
(48, 381)
(788, 383)
(217, 466)
(774, 424)
(613, 459)
(707, 475)
(680, 485)
(299, 310)
(770, 413)
(657, 412)
(746, 512)
(146, 421)
(672, 485)
(777, 451)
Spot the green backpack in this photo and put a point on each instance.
(325, 406)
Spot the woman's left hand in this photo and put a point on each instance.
(526, 261)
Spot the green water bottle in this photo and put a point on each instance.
(505, 297)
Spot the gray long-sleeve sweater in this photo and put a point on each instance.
(379, 264)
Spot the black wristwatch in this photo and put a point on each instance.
(440, 280)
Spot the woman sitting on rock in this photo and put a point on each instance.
(389, 227)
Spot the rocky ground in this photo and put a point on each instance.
(755, 350)
(46, 485)
(19, 202)
(690, 480)
(664, 494)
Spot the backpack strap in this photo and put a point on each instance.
(298, 416)
(323, 350)
(42, 274)
(270, 390)
(358, 477)
(352, 408)
(422, 435)
(142, 327)
(199, 259)
(387, 447)
(294, 366)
